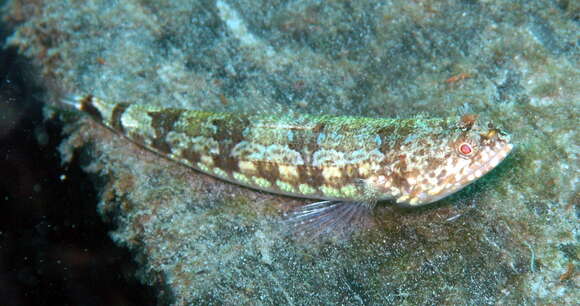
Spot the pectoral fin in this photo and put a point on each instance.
(333, 218)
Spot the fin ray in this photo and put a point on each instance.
(333, 218)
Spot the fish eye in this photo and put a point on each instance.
(465, 149)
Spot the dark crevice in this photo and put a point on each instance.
(54, 247)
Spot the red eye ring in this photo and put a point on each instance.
(465, 149)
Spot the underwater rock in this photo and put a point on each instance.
(508, 238)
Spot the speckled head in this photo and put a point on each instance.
(460, 157)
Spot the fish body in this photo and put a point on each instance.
(339, 159)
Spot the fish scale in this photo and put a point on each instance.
(413, 161)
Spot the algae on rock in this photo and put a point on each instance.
(506, 239)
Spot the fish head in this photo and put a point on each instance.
(456, 156)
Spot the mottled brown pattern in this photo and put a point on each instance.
(416, 161)
(301, 142)
(229, 128)
(268, 171)
(311, 176)
(191, 155)
(400, 182)
(118, 111)
(226, 163)
(162, 123)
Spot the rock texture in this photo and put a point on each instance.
(511, 238)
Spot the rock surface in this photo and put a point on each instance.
(510, 238)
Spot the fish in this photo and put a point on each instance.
(346, 164)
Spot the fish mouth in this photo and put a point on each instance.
(492, 162)
(500, 152)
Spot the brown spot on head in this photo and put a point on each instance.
(400, 182)
(402, 163)
(467, 121)
(415, 191)
(413, 173)
(449, 180)
(456, 156)
(490, 134)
